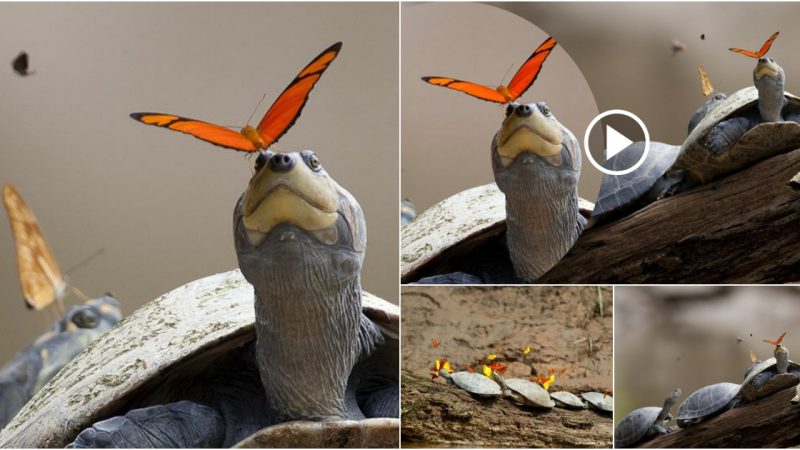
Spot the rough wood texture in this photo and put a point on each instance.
(367, 433)
(440, 415)
(468, 215)
(744, 228)
(210, 313)
(769, 422)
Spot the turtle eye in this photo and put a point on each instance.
(85, 318)
(314, 163)
(260, 161)
(544, 109)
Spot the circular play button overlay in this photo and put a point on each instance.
(612, 135)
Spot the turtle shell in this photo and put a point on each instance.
(761, 142)
(599, 400)
(750, 392)
(453, 228)
(476, 383)
(195, 322)
(707, 401)
(633, 427)
(621, 192)
(531, 393)
(566, 399)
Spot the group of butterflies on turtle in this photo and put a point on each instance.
(44, 287)
(760, 380)
(533, 392)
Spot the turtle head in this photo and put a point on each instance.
(669, 402)
(294, 216)
(769, 78)
(97, 315)
(781, 358)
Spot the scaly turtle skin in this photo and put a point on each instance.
(525, 392)
(707, 402)
(536, 163)
(30, 369)
(599, 400)
(645, 423)
(726, 135)
(765, 378)
(206, 366)
(567, 400)
(474, 383)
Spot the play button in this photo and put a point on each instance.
(610, 147)
(615, 142)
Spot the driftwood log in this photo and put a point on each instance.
(743, 228)
(440, 415)
(768, 422)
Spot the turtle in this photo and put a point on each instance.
(726, 134)
(599, 401)
(513, 230)
(207, 366)
(473, 382)
(707, 402)
(36, 364)
(567, 400)
(645, 423)
(769, 376)
(525, 392)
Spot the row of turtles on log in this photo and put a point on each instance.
(761, 379)
(532, 392)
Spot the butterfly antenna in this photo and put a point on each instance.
(507, 72)
(80, 294)
(256, 108)
(84, 261)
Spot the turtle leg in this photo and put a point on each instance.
(450, 278)
(174, 425)
(792, 117)
(727, 133)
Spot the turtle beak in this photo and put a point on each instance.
(767, 67)
(527, 129)
(286, 189)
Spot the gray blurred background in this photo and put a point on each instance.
(693, 336)
(158, 202)
(623, 50)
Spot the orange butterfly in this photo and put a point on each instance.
(278, 119)
(780, 339)
(434, 343)
(763, 51)
(39, 275)
(520, 83)
(498, 367)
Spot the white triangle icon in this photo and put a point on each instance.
(615, 142)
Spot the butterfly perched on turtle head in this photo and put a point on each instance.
(520, 83)
(761, 52)
(278, 119)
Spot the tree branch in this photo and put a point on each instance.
(743, 228)
(768, 422)
(440, 415)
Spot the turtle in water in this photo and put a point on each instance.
(707, 402)
(599, 400)
(567, 400)
(525, 392)
(645, 423)
(474, 383)
(311, 347)
(31, 368)
(536, 163)
(725, 135)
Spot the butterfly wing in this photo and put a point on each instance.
(763, 51)
(765, 48)
(530, 69)
(39, 275)
(287, 107)
(215, 134)
(475, 90)
(705, 82)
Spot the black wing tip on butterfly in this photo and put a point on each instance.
(337, 46)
